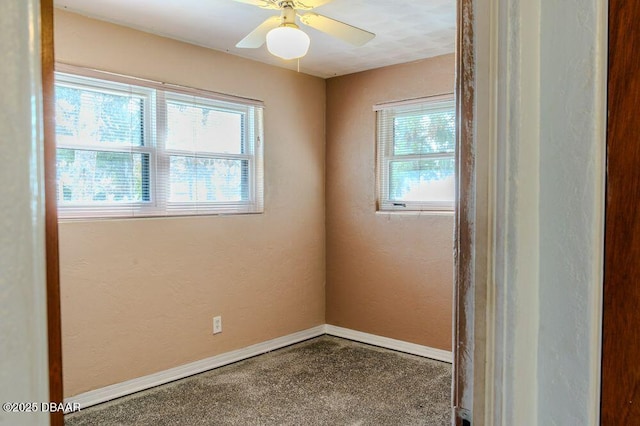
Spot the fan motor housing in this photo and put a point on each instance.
(288, 14)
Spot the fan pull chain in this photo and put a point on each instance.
(298, 64)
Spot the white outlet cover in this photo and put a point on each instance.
(217, 325)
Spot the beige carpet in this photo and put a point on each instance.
(323, 381)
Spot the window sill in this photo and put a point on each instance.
(416, 212)
(151, 217)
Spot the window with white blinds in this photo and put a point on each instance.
(129, 147)
(416, 154)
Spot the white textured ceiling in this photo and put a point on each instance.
(406, 30)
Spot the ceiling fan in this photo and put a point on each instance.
(283, 36)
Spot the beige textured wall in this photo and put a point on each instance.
(138, 296)
(389, 274)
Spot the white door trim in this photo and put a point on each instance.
(23, 322)
(535, 255)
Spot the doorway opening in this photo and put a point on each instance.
(460, 296)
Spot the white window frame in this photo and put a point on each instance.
(154, 145)
(385, 114)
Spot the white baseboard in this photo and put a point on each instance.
(118, 390)
(386, 342)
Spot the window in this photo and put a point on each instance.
(416, 154)
(147, 149)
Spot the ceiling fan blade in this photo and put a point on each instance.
(265, 4)
(309, 4)
(257, 37)
(345, 32)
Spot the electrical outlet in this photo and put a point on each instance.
(217, 325)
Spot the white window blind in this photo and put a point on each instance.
(147, 149)
(416, 154)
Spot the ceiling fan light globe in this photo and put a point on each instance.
(288, 42)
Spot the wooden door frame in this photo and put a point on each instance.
(620, 402)
(464, 297)
(472, 220)
(51, 213)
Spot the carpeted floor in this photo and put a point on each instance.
(323, 381)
